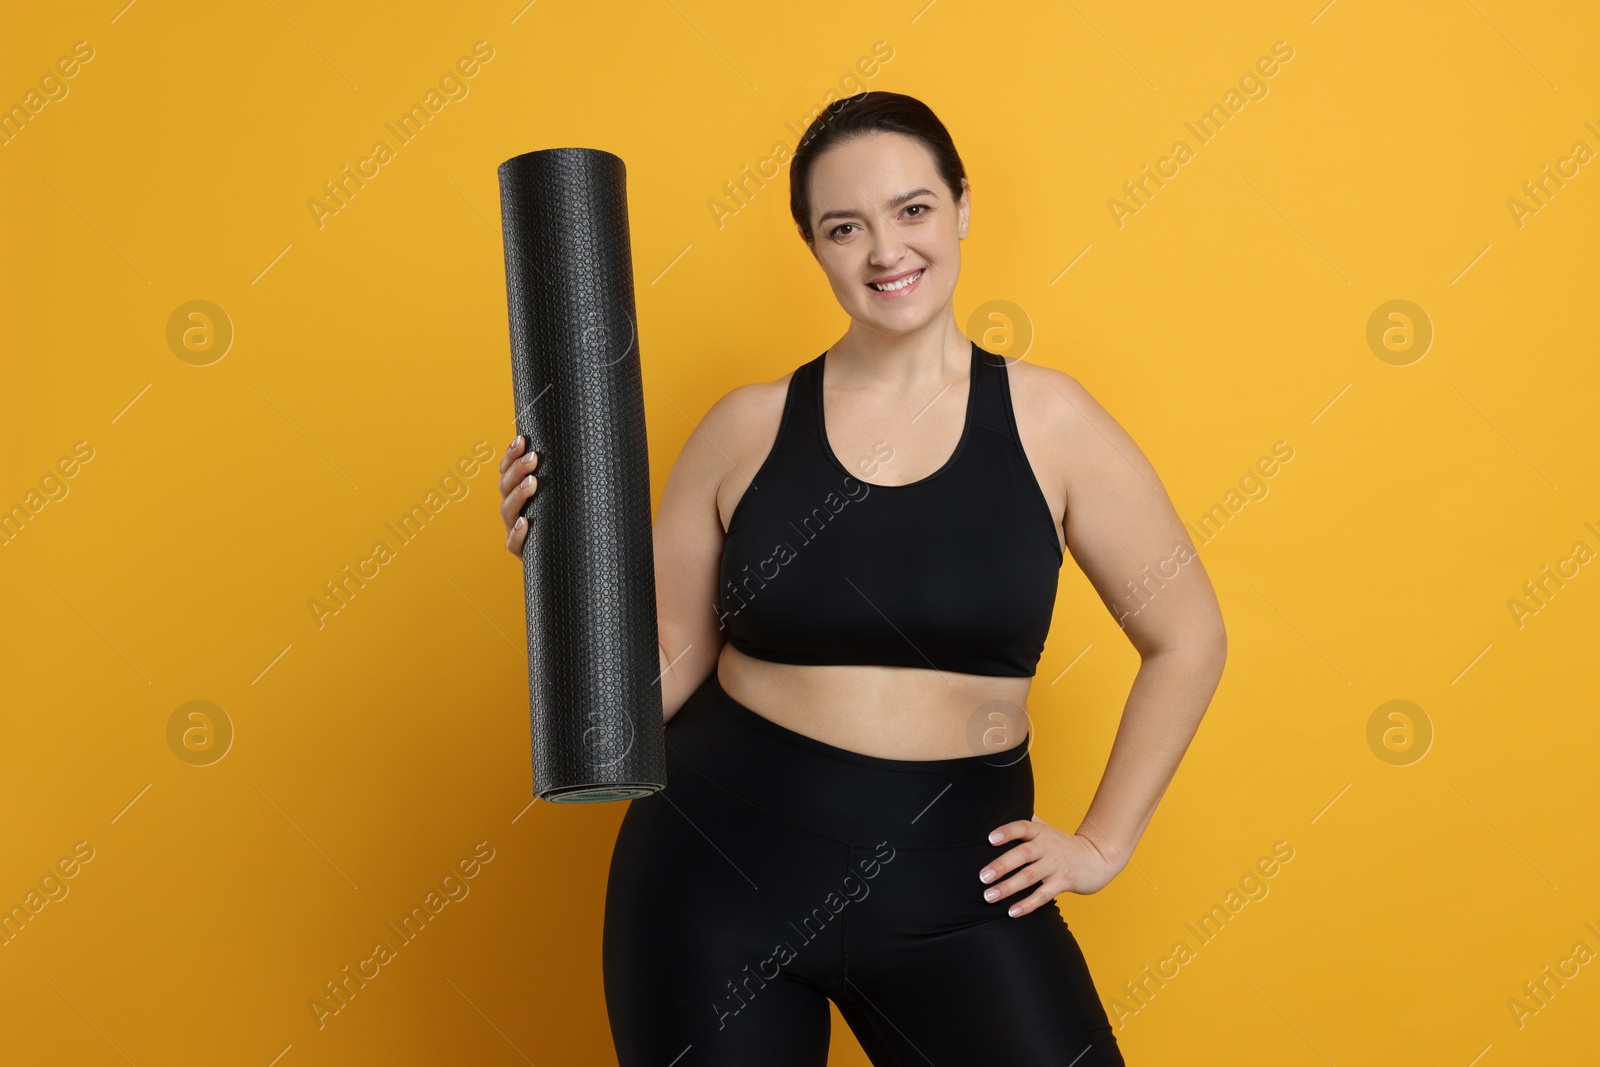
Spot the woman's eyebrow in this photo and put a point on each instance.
(890, 206)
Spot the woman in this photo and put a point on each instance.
(856, 566)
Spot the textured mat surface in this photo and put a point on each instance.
(588, 565)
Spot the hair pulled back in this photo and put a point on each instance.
(865, 113)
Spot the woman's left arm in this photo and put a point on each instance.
(1124, 532)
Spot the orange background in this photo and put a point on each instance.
(377, 747)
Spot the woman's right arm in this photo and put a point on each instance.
(688, 550)
(687, 537)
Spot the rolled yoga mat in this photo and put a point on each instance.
(588, 565)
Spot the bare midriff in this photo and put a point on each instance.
(908, 713)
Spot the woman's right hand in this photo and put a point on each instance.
(517, 484)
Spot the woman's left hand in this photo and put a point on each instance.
(1060, 862)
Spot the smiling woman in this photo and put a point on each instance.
(862, 694)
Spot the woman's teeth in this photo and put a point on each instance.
(901, 284)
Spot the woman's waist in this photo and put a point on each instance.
(897, 713)
(847, 795)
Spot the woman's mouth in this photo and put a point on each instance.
(900, 287)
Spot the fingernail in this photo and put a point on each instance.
(994, 838)
(987, 876)
(990, 894)
(1014, 910)
(528, 481)
(520, 523)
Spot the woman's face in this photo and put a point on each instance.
(881, 213)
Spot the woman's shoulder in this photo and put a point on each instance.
(736, 432)
(752, 409)
(1090, 450)
(1050, 399)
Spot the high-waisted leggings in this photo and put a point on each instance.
(777, 872)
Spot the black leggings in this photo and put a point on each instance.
(777, 872)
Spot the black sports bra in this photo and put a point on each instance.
(956, 571)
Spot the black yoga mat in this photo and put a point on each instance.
(588, 566)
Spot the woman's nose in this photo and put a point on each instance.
(888, 247)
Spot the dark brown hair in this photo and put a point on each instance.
(864, 113)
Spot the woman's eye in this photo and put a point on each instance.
(922, 209)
